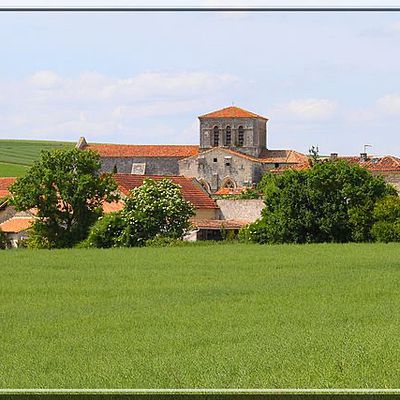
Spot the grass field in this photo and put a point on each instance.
(222, 316)
(17, 155)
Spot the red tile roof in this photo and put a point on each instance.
(378, 164)
(230, 191)
(16, 225)
(218, 223)
(5, 183)
(232, 112)
(127, 150)
(191, 191)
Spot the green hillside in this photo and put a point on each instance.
(17, 155)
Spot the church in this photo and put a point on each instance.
(232, 153)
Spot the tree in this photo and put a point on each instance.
(333, 201)
(387, 220)
(67, 190)
(154, 209)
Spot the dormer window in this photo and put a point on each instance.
(216, 136)
(228, 136)
(240, 136)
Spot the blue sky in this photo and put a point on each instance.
(326, 79)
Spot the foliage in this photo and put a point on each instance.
(387, 220)
(107, 232)
(163, 241)
(249, 193)
(155, 209)
(3, 240)
(333, 201)
(67, 190)
(313, 155)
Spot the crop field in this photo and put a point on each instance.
(17, 155)
(215, 316)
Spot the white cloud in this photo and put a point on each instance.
(306, 109)
(47, 105)
(389, 104)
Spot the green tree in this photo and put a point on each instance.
(154, 209)
(333, 201)
(387, 220)
(67, 190)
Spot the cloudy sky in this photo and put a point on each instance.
(327, 79)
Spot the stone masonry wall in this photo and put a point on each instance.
(154, 165)
(246, 210)
(392, 178)
(212, 167)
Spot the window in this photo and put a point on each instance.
(216, 136)
(276, 165)
(228, 183)
(240, 135)
(227, 164)
(228, 136)
(215, 160)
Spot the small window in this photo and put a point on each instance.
(228, 136)
(215, 160)
(228, 164)
(229, 184)
(216, 136)
(276, 165)
(240, 135)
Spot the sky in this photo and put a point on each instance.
(325, 79)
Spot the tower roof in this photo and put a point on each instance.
(232, 112)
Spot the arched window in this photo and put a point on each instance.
(228, 136)
(228, 183)
(240, 135)
(216, 136)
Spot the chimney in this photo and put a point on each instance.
(333, 156)
(363, 156)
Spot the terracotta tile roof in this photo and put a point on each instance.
(382, 164)
(230, 191)
(191, 191)
(5, 183)
(16, 225)
(218, 223)
(232, 112)
(112, 207)
(127, 150)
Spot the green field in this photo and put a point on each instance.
(217, 316)
(17, 155)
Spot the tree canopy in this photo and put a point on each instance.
(156, 208)
(332, 201)
(67, 190)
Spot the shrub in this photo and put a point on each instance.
(3, 240)
(387, 220)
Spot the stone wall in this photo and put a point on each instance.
(216, 166)
(392, 178)
(254, 134)
(246, 210)
(154, 165)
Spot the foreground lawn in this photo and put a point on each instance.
(222, 316)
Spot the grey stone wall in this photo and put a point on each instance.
(154, 165)
(246, 210)
(254, 134)
(212, 167)
(391, 177)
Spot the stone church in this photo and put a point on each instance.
(232, 153)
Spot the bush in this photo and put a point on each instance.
(330, 202)
(387, 220)
(3, 240)
(163, 241)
